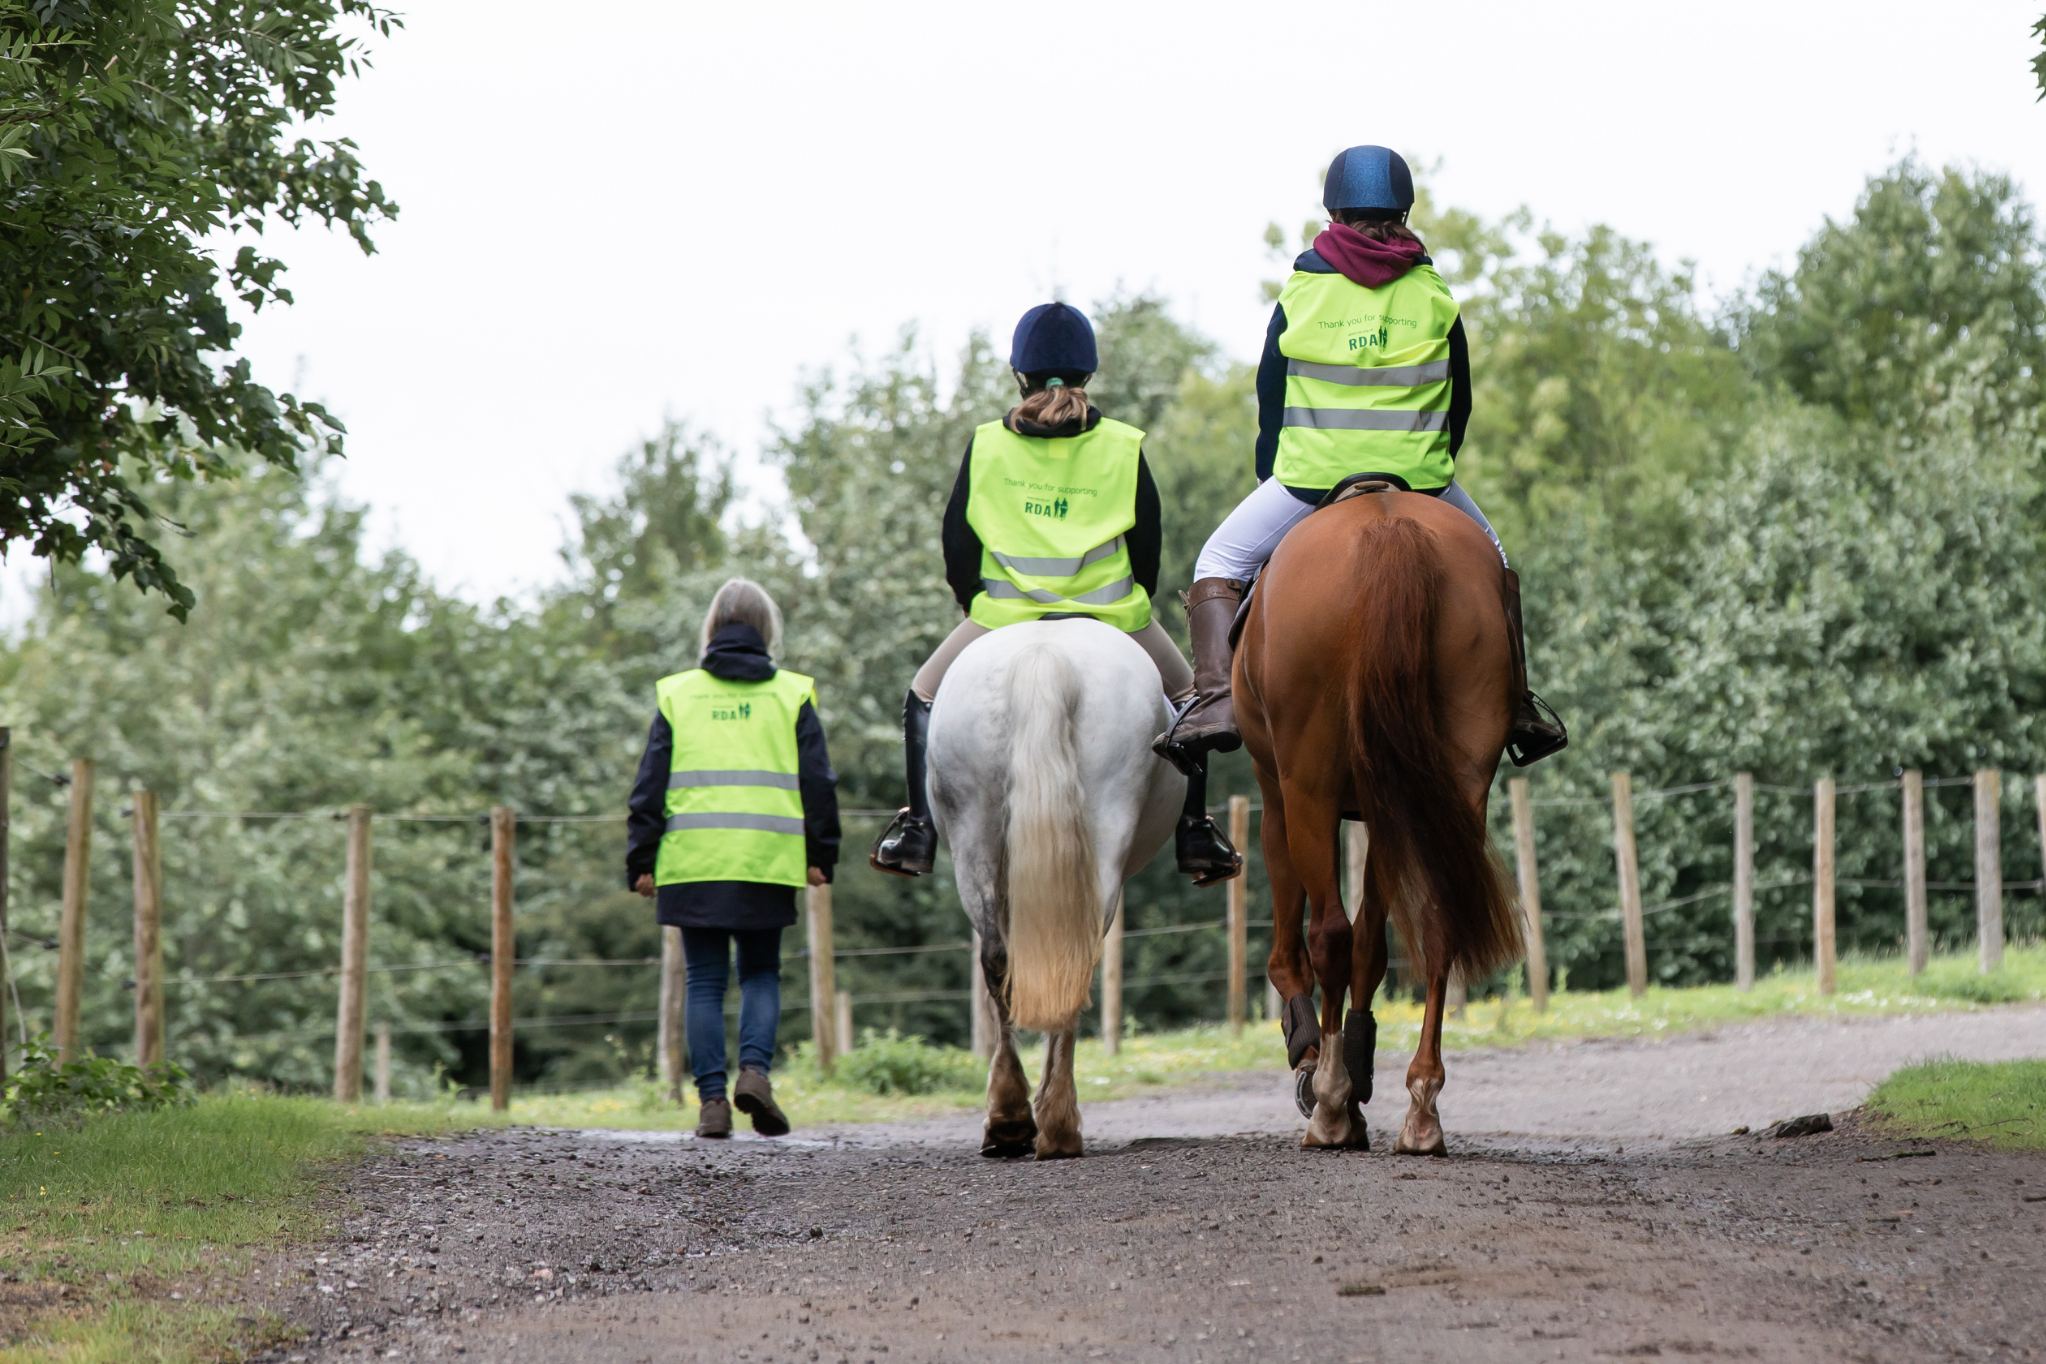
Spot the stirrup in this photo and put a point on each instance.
(1537, 733)
(902, 824)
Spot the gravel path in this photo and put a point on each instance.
(1592, 1206)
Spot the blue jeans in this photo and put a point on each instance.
(708, 954)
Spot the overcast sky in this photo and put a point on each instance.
(617, 212)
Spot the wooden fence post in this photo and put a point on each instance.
(1530, 892)
(148, 932)
(2038, 799)
(383, 1071)
(1988, 869)
(1630, 883)
(1111, 984)
(6, 829)
(1744, 880)
(823, 982)
(985, 1025)
(1356, 852)
(351, 1012)
(1822, 884)
(1917, 942)
(71, 928)
(1238, 914)
(503, 953)
(669, 1043)
(841, 1021)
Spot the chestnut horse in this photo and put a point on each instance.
(1373, 681)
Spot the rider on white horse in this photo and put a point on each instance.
(1054, 515)
(1365, 372)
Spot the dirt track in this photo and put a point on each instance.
(1583, 1212)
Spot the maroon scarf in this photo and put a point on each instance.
(1364, 260)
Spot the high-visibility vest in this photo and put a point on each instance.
(1053, 514)
(735, 811)
(1367, 380)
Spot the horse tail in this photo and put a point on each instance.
(1429, 844)
(1053, 931)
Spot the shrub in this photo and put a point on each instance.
(888, 1063)
(45, 1088)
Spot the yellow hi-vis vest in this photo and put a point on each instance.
(735, 812)
(1367, 380)
(1052, 513)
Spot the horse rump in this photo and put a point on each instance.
(1429, 844)
(1053, 920)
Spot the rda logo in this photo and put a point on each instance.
(1056, 509)
(1369, 339)
(742, 711)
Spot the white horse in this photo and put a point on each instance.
(1044, 786)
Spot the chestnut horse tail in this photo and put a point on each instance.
(1054, 928)
(1431, 856)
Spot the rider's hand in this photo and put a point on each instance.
(645, 885)
(816, 876)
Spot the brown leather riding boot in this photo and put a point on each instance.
(1537, 729)
(1209, 726)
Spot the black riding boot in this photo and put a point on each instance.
(1537, 729)
(909, 845)
(1204, 852)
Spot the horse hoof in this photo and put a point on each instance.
(1058, 1151)
(1418, 1141)
(1360, 1136)
(1303, 1091)
(1009, 1140)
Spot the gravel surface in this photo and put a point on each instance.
(1592, 1205)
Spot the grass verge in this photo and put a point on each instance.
(2001, 1103)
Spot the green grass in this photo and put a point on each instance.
(2001, 1103)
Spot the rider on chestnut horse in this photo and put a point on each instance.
(1054, 515)
(1365, 371)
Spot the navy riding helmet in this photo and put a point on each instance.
(1368, 177)
(1053, 336)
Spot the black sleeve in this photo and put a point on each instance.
(962, 546)
(819, 785)
(1147, 537)
(646, 812)
(1459, 385)
(1271, 395)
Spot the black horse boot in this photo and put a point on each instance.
(1537, 729)
(909, 845)
(1209, 726)
(1204, 852)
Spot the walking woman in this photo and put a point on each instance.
(735, 806)
(1054, 515)
(1365, 372)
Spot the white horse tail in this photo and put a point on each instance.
(1054, 928)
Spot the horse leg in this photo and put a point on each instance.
(1368, 961)
(1311, 839)
(1010, 1129)
(1058, 1100)
(1421, 1133)
(1288, 968)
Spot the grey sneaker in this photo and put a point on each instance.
(754, 1096)
(715, 1120)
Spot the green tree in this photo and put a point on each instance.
(129, 133)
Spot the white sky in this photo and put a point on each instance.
(618, 212)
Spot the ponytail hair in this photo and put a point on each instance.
(1380, 225)
(1053, 398)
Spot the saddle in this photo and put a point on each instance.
(1356, 485)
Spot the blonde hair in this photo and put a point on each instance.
(1049, 403)
(741, 601)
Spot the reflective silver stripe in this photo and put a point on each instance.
(734, 777)
(1434, 372)
(769, 824)
(1057, 568)
(1365, 419)
(1004, 590)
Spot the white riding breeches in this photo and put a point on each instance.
(1242, 543)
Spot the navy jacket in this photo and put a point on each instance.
(737, 654)
(1271, 383)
